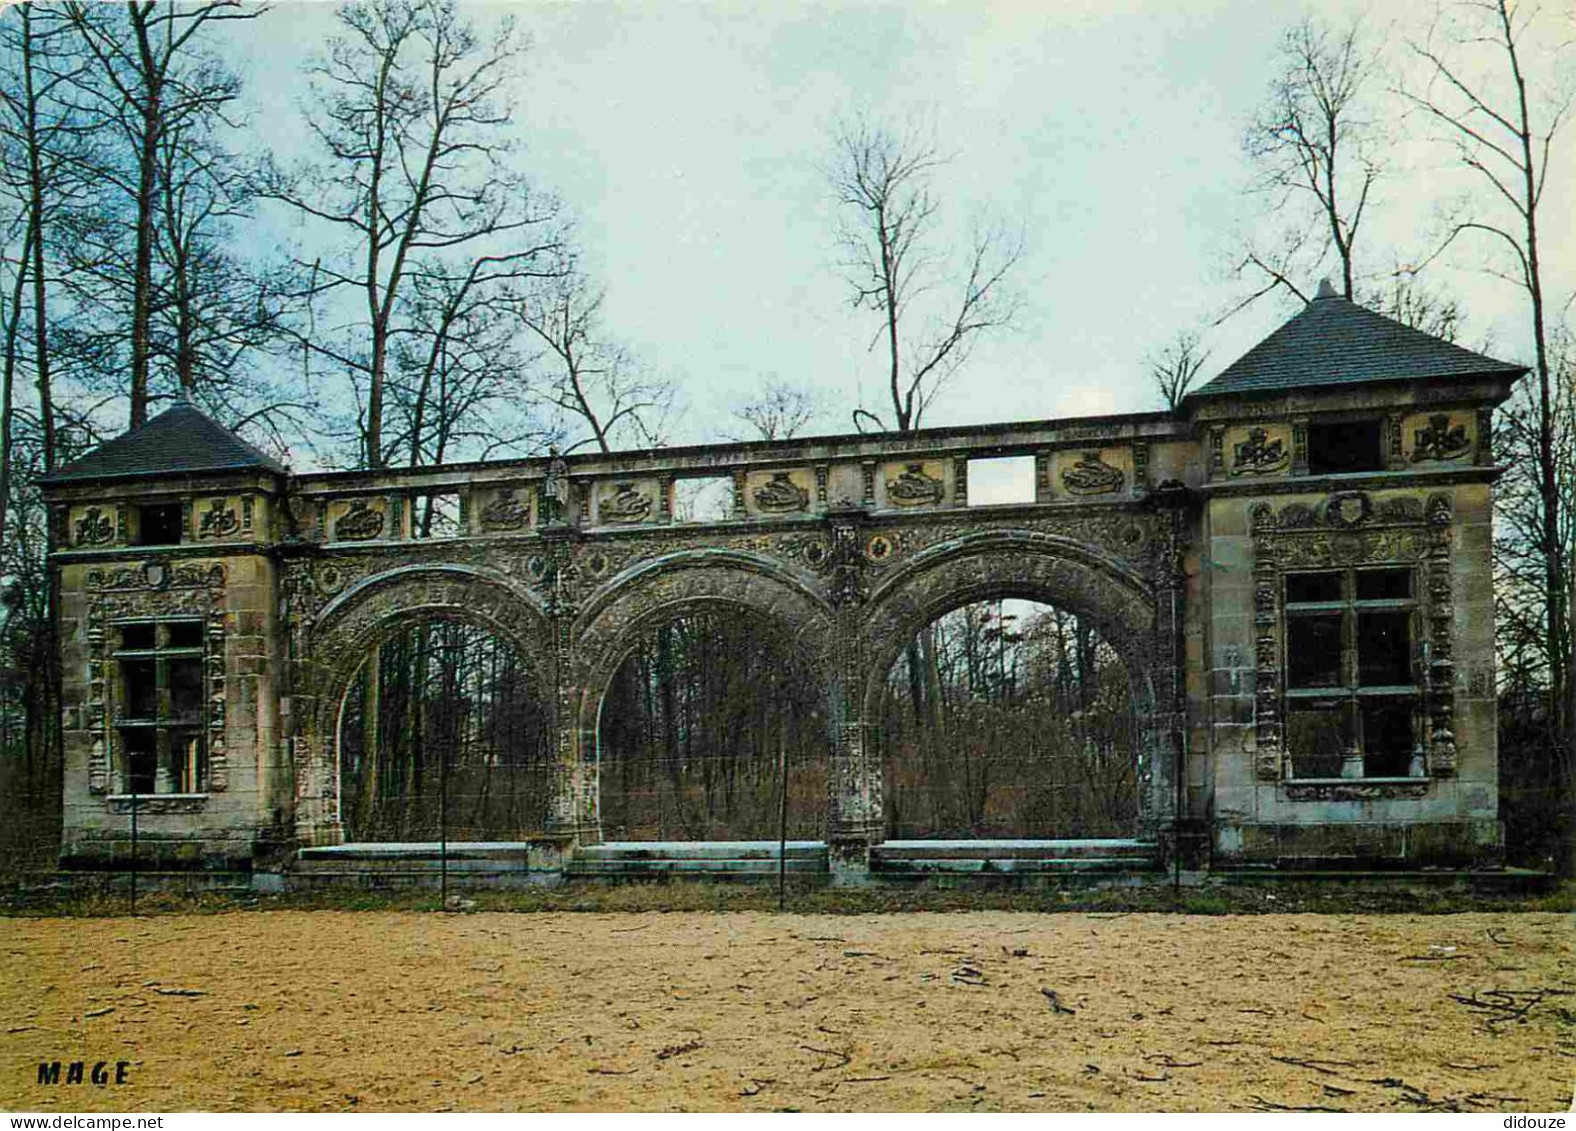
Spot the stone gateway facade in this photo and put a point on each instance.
(1294, 568)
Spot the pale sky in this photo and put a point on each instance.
(687, 139)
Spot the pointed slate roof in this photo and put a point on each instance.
(1333, 341)
(180, 439)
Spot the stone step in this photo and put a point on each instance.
(418, 856)
(699, 850)
(1066, 850)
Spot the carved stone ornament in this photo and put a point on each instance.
(158, 803)
(505, 512)
(781, 495)
(1439, 439)
(360, 523)
(1092, 476)
(218, 521)
(95, 528)
(625, 504)
(1348, 509)
(1258, 454)
(913, 487)
(1354, 791)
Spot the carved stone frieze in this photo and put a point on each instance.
(95, 528)
(1259, 454)
(915, 486)
(781, 495)
(1441, 438)
(1091, 475)
(361, 523)
(157, 804)
(505, 512)
(1354, 790)
(624, 504)
(218, 521)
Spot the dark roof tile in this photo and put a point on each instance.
(1333, 341)
(180, 439)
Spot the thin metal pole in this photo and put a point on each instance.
(134, 853)
(782, 822)
(443, 825)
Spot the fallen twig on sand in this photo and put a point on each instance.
(843, 1059)
(1263, 1104)
(1056, 1002)
(1317, 1065)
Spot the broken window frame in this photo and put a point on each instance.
(177, 762)
(1348, 699)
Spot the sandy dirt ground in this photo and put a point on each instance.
(747, 1011)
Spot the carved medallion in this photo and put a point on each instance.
(1346, 510)
(505, 512)
(625, 504)
(218, 521)
(1258, 454)
(1092, 476)
(359, 523)
(1439, 439)
(781, 495)
(879, 549)
(94, 528)
(915, 487)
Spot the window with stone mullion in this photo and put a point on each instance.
(1352, 698)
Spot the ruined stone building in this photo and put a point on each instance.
(1294, 568)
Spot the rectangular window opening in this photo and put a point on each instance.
(1384, 584)
(708, 499)
(1384, 649)
(1313, 651)
(1316, 740)
(161, 706)
(1310, 587)
(159, 524)
(1345, 447)
(1387, 738)
(435, 516)
(1001, 479)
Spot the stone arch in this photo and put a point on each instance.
(1051, 569)
(614, 618)
(370, 612)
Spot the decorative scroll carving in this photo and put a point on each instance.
(94, 528)
(1267, 666)
(781, 495)
(625, 504)
(1353, 790)
(218, 521)
(845, 567)
(1092, 476)
(914, 487)
(1485, 437)
(1441, 673)
(360, 523)
(1440, 439)
(506, 512)
(159, 804)
(1258, 454)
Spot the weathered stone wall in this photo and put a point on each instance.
(1170, 534)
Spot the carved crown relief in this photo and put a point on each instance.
(95, 528)
(1260, 453)
(1091, 475)
(921, 484)
(1440, 437)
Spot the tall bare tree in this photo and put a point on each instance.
(930, 311)
(592, 381)
(154, 76)
(1316, 144)
(410, 109)
(1176, 366)
(780, 411)
(1503, 123)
